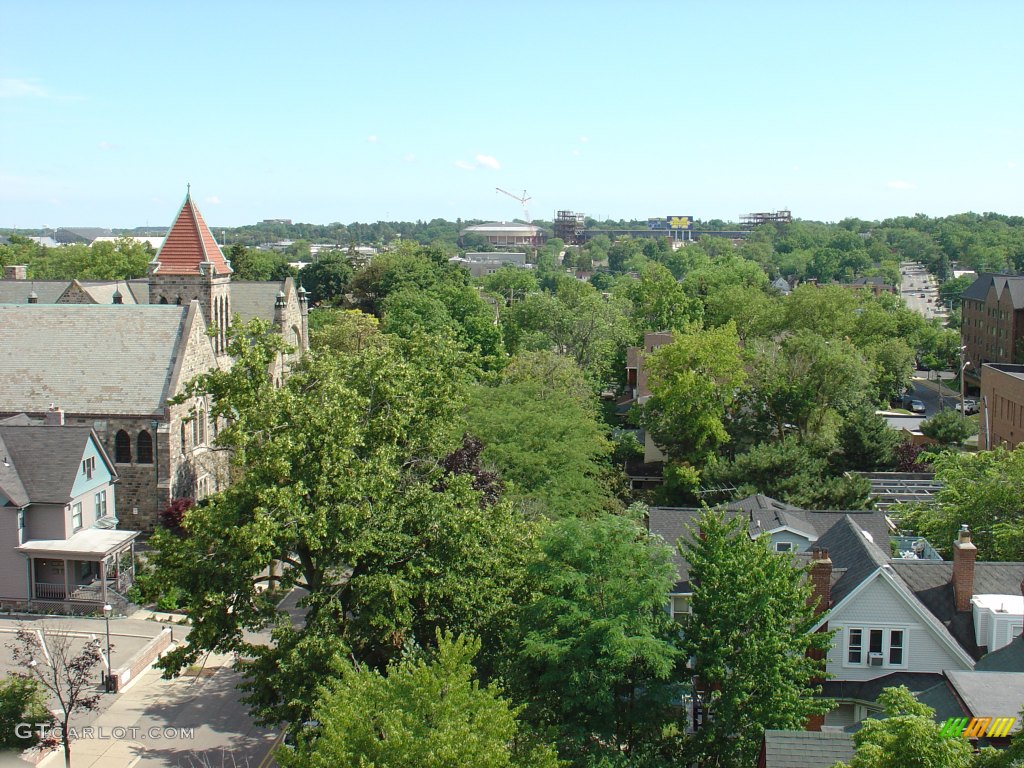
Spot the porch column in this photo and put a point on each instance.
(67, 579)
(103, 582)
(31, 587)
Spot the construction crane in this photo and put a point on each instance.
(524, 199)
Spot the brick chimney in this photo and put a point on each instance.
(16, 272)
(54, 416)
(964, 555)
(821, 580)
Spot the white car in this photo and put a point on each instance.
(969, 407)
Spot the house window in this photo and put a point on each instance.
(783, 546)
(183, 437)
(76, 516)
(885, 647)
(21, 519)
(203, 487)
(145, 448)
(100, 500)
(89, 466)
(122, 447)
(680, 607)
(896, 647)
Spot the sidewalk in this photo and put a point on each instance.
(141, 717)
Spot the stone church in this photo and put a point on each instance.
(111, 356)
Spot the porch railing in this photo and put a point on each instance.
(47, 591)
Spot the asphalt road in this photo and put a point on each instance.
(915, 282)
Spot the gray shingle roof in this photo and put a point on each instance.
(868, 690)
(17, 291)
(88, 358)
(806, 749)
(931, 583)
(1009, 658)
(46, 460)
(978, 290)
(989, 694)
(251, 299)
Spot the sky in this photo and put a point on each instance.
(340, 111)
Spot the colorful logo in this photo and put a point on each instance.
(977, 727)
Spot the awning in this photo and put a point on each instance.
(90, 544)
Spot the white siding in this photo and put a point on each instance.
(881, 605)
(800, 543)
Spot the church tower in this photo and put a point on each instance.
(191, 267)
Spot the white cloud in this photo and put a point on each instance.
(106, 145)
(372, 138)
(488, 161)
(13, 88)
(465, 165)
(213, 200)
(900, 184)
(576, 153)
(1012, 164)
(584, 139)
(410, 158)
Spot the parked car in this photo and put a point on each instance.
(916, 406)
(970, 406)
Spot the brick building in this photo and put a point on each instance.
(992, 330)
(1001, 420)
(112, 355)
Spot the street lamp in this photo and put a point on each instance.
(107, 610)
(963, 412)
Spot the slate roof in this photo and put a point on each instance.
(188, 244)
(251, 298)
(1009, 658)
(854, 556)
(765, 514)
(806, 749)
(45, 460)
(139, 289)
(931, 583)
(80, 234)
(984, 694)
(17, 291)
(978, 290)
(868, 690)
(90, 359)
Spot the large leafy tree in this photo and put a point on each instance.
(541, 431)
(983, 490)
(598, 653)
(749, 636)
(907, 737)
(427, 711)
(341, 479)
(693, 381)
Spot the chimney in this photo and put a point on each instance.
(118, 298)
(16, 272)
(55, 416)
(33, 298)
(821, 580)
(964, 555)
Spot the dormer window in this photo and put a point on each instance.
(89, 466)
(783, 546)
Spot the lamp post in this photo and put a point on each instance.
(107, 610)
(963, 368)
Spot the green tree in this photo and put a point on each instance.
(659, 302)
(866, 442)
(907, 737)
(752, 653)
(427, 711)
(327, 278)
(348, 331)
(597, 656)
(984, 491)
(693, 381)
(22, 702)
(341, 478)
(541, 431)
(948, 428)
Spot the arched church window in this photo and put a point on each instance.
(122, 447)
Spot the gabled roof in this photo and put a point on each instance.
(989, 694)
(931, 581)
(189, 243)
(854, 553)
(806, 749)
(17, 291)
(95, 359)
(978, 290)
(45, 460)
(868, 690)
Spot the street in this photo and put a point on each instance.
(920, 291)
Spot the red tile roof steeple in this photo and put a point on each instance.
(188, 244)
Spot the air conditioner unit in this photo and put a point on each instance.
(875, 659)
